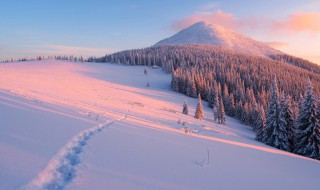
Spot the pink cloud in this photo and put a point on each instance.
(75, 50)
(297, 22)
(218, 17)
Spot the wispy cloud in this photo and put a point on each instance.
(298, 22)
(76, 50)
(32, 51)
(294, 23)
(218, 17)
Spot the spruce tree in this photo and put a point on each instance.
(287, 119)
(232, 105)
(275, 135)
(211, 98)
(272, 114)
(221, 113)
(308, 126)
(199, 109)
(193, 89)
(185, 108)
(260, 124)
(175, 82)
(254, 113)
(216, 109)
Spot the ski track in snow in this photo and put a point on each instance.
(61, 169)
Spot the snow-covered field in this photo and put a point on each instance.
(97, 126)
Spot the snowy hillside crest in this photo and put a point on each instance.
(212, 34)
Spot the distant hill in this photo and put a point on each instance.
(211, 34)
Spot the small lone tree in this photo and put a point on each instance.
(185, 108)
(145, 71)
(199, 109)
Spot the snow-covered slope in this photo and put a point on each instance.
(203, 33)
(67, 126)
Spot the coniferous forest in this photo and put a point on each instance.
(266, 93)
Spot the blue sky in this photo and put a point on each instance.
(96, 27)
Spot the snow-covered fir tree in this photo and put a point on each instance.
(199, 109)
(175, 82)
(191, 89)
(291, 121)
(308, 126)
(260, 124)
(275, 135)
(231, 107)
(221, 113)
(287, 118)
(215, 109)
(185, 109)
(211, 97)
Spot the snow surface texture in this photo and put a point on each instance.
(62, 168)
(43, 104)
(203, 33)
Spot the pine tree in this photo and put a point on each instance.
(175, 82)
(291, 122)
(232, 106)
(238, 110)
(308, 126)
(275, 134)
(193, 90)
(260, 124)
(287, 118)
(211, 98)
(253, 114)
(216, 109)
(221, 113)
(199, 109)
(185, 108)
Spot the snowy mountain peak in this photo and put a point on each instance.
(212, 34)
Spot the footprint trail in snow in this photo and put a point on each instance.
(61, 169)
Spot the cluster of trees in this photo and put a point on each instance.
(17, 60)
(226, 79)
(218, 111)
(282, 129)
(57, 57)
(296, 61)
(70, 58)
